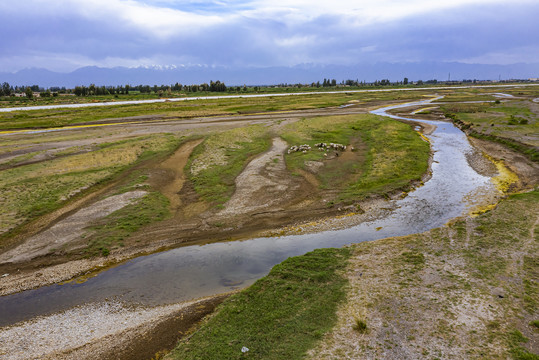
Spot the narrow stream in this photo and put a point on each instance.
(190, 272)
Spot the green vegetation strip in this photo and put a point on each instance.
(111, 231)
(389, 155)
(29, 191)
(279, 317)
(215, 164)
(513, 124)
(530, 152)
(397, 156)
(63, 117)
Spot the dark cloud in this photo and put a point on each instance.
(37, 38)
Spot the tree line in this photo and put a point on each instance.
(213, 86)
(81, 90)
(166, 90)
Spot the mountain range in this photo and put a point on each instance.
(270, 75)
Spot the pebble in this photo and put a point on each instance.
(73, 328)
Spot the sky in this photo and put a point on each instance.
(63, 35)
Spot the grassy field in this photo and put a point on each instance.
(32, 190)
(215, 164)
(136, 95)
(527, 91)
(513, 123)
(459, 95)
(388, 155)
(279, 317)
(63, 117)
(109, 232)
(468, 290)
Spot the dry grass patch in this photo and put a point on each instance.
(467, 290)
(33, 190)
(215, 164)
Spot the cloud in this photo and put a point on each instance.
(515, 56)
(66, 34)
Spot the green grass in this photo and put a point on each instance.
(29, 191)
(458, 96)
(466, 290)
(25, 199)
(531, 153)
(21, 158)
(111, 231)
(397, 156)
(281, 316)
(390, 154)
(360, 325)
(215, 163)
(136, 95)
(420, 286)
(332, 129)
(518, 352)
(513, 124)
(63, 117)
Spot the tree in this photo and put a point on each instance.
(6, 89)
(29, 92)
(405, 82)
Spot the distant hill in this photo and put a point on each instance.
(269, 75)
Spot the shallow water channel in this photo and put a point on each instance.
(195, 271)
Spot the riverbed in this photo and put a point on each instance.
(192, 272)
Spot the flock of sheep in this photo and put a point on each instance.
(321, 146)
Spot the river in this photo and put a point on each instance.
(194, 271)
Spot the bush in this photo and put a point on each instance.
(360, 325)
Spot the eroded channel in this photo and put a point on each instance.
(191, 272)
